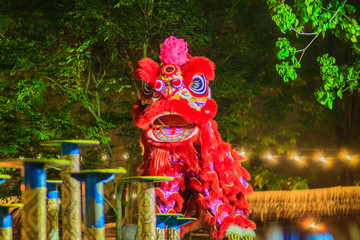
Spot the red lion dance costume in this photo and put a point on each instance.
(181, 140)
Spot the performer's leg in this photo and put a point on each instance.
(226, 217)
(168, 194)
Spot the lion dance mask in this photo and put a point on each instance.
(181, 140)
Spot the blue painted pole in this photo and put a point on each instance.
(5, 223)
(71, 194)
(5, 217)
(6, 220)
(34, 197)
(174, 227)
(53, 206)
(70, 189)
(161, 231)
(94, 202)
(34, 194)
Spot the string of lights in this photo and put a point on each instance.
(304, 156)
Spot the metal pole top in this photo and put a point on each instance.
(59, 143)
(100, 175)
(19, 163)
(147, 179)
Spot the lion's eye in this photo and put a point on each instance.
(177, 83)
(168, 70)
(198, 85)
(147, 89)
(159, 85)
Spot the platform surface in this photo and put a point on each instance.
(11, 205)
(165, 217)
(119, 170)
(54, 181)
(5, 176)
(19, 163)
(80, 142)
(147, 179)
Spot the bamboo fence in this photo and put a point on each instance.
(288, 205)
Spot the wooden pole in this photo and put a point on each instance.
(147, 216)
(33, 223)
(53, 206)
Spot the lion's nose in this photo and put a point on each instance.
(169, 91)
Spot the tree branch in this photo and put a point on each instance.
(332, 18)
(58, 84)
(303, 33)
(93, 113)
(303, 50)
(112, 206)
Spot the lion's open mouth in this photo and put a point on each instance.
(171, 127)
(169, 119)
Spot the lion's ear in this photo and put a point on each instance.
(148, 70)
(199, 65)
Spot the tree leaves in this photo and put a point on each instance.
(326, 17)
(286, 69)
(265, 179)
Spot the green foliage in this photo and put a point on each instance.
(337, 80)
(67, 72)
(286, 69)
(265, 179)
(320, 18)
(357, 180)
(282, 14)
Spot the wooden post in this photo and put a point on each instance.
(6, 221)
(146, 204)
(70, 188)
(147, 217)
(33, 223)
(53, 206)
(94, 199)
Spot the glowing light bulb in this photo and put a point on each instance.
(133, 195)
(104, 157)
(322, 159)
(242, 154)
(348, 157)
(269, 157)
(313, 225)
(125, 156)
(21, 158)
(296, 158)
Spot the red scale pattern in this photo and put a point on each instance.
(201, 187)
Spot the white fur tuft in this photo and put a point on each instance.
(241, 232)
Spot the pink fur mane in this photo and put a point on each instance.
(174, 51)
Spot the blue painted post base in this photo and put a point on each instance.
(70, 197)
(34, 196)
(6, 220)
(53, 206)
(5, 224)
(94, 199)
